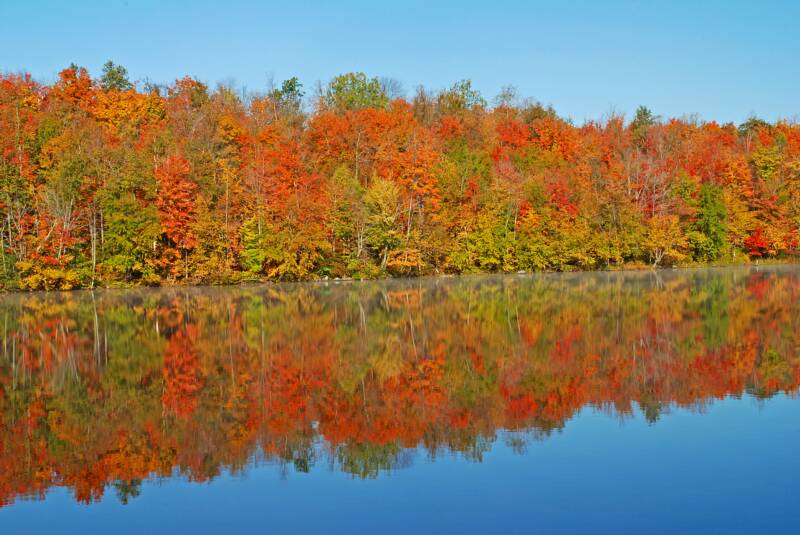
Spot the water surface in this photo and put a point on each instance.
(603, 402)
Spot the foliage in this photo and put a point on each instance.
(710, 237)
(115, 77)
(103, 183)
(354, 91)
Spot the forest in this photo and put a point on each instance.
(107, 182)
(100, 391)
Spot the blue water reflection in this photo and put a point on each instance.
(599, 403)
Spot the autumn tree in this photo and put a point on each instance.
(176, 210)
(106, 183)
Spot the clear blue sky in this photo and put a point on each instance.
(723, 60)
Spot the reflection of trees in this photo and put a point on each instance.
(110, 388)
(182, 373)
(127, 490)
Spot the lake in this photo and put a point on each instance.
(653, 402)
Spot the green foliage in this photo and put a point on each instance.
(290, 95)
(641, 124)
(8, 275)
(460, 97)
(713, 308)
(253, 255)
(348, 212)
(489, 246)
(131, 235)
(620, 234)
(709, 239)
(367, 460)
(354, 91)
(115, 77)
(462, 166)
(128, 489)
(752, 125)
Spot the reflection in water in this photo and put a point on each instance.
(99, 391)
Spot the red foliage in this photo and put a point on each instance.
(449, 127)
(176, 201)
(182, 373)
(560, 197)
(513, 133)
(756, 243)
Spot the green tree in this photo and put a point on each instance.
(252, 255)
(130, 237)
(289, 97)
(751, 126)
(641, 124)
(115, 77)
(348, 213)
(354, 91)
(460, 97)
(710, 237)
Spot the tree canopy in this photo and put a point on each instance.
(104, 183)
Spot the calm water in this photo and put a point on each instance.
(600, 403)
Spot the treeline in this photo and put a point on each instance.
(102, 390)
(106, 183)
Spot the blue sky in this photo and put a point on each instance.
(723, 60)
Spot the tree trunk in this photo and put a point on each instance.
(93, 234)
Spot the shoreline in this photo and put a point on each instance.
(633, 268)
